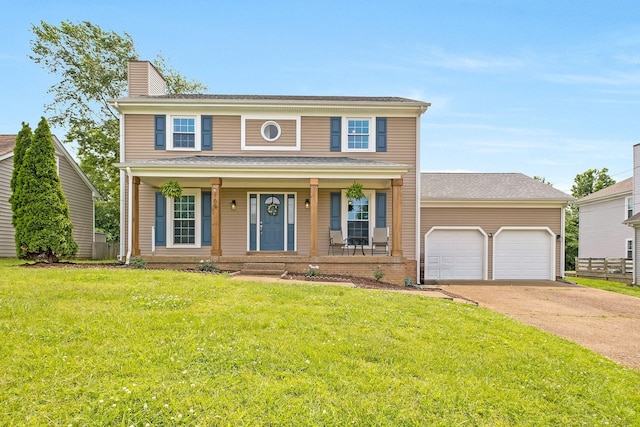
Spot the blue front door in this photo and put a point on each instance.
(272, 208)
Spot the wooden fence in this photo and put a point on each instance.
(618, 269)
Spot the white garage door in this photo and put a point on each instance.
(454, 254)
(524, 254)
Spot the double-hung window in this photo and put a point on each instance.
(358, 134)
(629, 244)
(628, 202)
(185, 218)
(358, 219)
(183, 132)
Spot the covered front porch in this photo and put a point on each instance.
(260, 212)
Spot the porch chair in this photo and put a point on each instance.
(380, 240)
(337, 241)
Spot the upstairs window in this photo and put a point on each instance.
(628, 202)
(358, 134)
(184, 132)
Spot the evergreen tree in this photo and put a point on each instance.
(43, 223)
(23, 140)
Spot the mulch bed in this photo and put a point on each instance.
(359, 282)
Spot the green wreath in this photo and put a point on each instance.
(272, 209)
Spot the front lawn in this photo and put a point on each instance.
(607, 285)
(129, 347)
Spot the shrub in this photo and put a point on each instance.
(138, 262)
(378, 274)
(208, 266)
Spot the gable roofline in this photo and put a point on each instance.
(620, 189)
(70, 160)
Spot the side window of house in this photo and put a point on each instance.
(358, 134)
(187, 133)
(629, 248)
(629, 207)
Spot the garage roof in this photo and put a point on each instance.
(487, 187)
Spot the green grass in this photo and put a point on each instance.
(135, 347)
(607, 285)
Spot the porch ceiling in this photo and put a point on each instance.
(333, 172)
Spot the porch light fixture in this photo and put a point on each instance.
(307, 203)
(233, 205)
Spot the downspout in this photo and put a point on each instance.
(129, 218)
(563, 254)
(418, 201)
(122, 189)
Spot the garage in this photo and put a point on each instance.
(455, 253)
(524, 254)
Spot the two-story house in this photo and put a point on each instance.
(264, 179)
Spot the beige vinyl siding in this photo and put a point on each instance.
(7, 240)
(80, 200)
(138, 79)
(253, 134)
(144, 79)
(490, 220)
(315, 141)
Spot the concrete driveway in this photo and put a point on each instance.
(605, 322)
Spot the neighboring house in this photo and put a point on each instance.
(634, 221)
(77, 188)
(491, 226)
(602, 233)
(264, 179)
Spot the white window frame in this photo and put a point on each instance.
(345, 135)
(371, 194)
(628, 247)
(628, 202)
(198, 219)
(273, 144)
(197, 136)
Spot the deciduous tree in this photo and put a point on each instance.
(91, 65)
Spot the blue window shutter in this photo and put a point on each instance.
(336, 133)
(206, 218)
(207, 132)
(381, 134)
(160, 132)
(161, 220)
(335, 209)
(381, 210)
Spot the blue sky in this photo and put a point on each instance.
(547, 88)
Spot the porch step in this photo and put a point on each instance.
(263, 268)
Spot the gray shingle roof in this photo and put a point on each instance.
(224, 97)
(267, 161)
(487, 186)
(619, 188)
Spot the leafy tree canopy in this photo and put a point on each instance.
(91, 65)
(543, 180)
(590, 181)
